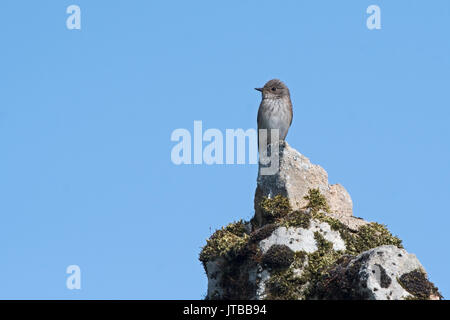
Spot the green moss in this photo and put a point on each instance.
(323, 245)
(321, 259)
(263, 233)
(316, 201)
(340, 282)
(226, 242)
(369, 236)
(241, 251)
(319, 262)
(299, 259)
(297, 219)
(417, 284)
(279, 256)
(232, 243)
(275, 208)
(284, 285)
(237, 228)
(335, 224)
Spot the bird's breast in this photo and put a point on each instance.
(274, 114)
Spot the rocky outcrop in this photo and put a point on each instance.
(304, 243)
(295, 177)
(382, 273)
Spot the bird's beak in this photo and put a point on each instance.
(259, 89)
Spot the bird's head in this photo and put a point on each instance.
(274, 89)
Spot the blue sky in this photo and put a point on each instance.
(86, 117)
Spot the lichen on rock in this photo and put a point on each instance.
(309, 251)
(381, 273)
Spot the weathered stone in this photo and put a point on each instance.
(285, 260)
(313, 248)
(214, 271)
(300, 239)
(295, 177)
(382, 273)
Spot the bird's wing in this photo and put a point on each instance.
(292, 114)
(259, 115)
(259, 121)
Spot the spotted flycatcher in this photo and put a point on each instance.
(275, 110)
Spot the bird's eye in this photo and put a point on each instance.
(274, 89)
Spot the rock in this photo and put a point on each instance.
(382, 273)
(295, 177)
(303, 243)
(315, 263)
(299, 239)
(215, 277)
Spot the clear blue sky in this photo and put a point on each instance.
(86, 117)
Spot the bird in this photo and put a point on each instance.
(275, 110)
